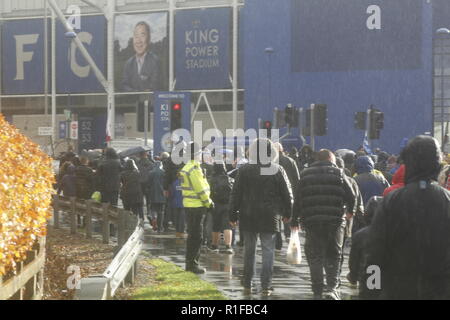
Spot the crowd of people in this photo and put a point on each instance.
(391, 210)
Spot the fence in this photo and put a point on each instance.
(124, 220)
(123, 268)
(28, 282)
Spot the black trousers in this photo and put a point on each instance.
(194, 218)
(324, 250)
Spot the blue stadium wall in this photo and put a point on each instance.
(324, 52)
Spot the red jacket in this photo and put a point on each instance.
(398, 181)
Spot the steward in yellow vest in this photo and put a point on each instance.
(195, 187)
(196, 202)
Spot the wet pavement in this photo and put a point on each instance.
(223, 270)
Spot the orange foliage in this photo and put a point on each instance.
(26, 190)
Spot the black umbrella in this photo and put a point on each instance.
(133, 151)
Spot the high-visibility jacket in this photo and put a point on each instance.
(194, 186)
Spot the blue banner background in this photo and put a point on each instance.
(216, 76)
(332, 35)
(33, 82)
(66, 80)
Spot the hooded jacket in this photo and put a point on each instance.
(398, 181)
(259, 200)
(67, 184)
(131, 191)
(109, 172)
(370, 184)
(221, 184)
(408, 237)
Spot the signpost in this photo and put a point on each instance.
(74, 130)
(45, 131)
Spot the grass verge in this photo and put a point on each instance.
(173, 283)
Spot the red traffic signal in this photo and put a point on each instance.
(176, 107)
(268, 125)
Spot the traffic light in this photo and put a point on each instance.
(360, 120)
(140, 112)
(376, 120)
(306, 130)
(267, 125)
(320, 120)
(291, 115)
(176, 115)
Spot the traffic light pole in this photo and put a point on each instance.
(313, 138)
(369, 126)
(146, 123)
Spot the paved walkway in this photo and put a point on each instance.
(290, 282)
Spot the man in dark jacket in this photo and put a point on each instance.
(357, 262)
(370, 183)
(325, 200)
(409, 237)
(293, 175)
(221, 186)
(109, 177)
(258, 200)
(158, 200)
(131, 192)
(84, 180)
(145, 165)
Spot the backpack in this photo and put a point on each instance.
(221, 189)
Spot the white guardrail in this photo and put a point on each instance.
(122, 270)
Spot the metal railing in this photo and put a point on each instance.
(28, 282)
(123, 268)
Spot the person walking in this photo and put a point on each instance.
(196, 201)
(260, 198)
(131, 191)
(325, 201)
(221, 185)
(157, 197)
(370, 183)
(145, 166)
(176, 204)
(409, 236)
(109, 177)
(67, 184)
(293, 175)
(84, 180)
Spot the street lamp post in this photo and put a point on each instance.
(70, 36)
(269, 51)
(443, 32)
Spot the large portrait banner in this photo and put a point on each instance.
(141, 52)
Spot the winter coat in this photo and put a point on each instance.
(259, 201)
(409, 236)
(398, 181)
(324, 193)
(109, 173)
(131, 191)
(155, 185)
(67, 184)
(291, 169)
(84, 180)
(145, 166)
(221, 184)
(370, 184)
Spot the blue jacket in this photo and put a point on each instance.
(370, 184)
(176, 196)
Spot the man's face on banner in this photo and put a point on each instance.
(141, 40)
